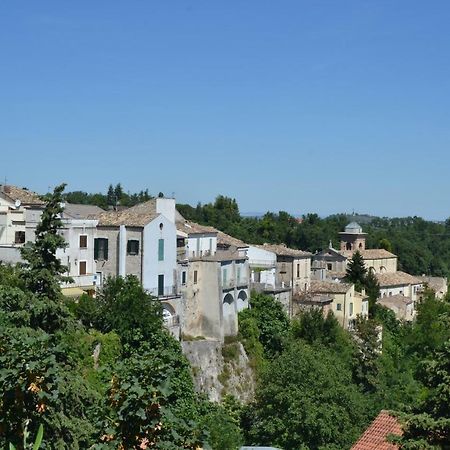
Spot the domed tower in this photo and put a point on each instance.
(353, 237)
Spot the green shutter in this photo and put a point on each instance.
(161, 250)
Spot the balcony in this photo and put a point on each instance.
(166, 292)
(88, 280)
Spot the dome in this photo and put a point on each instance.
(354, 228)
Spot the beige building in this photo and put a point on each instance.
(402, 306)
(347, 304)
(400, 283)
(438, 285)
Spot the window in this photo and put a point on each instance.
(224, 276)
(298, 270)
(329, 266)
(161, 250)
(83, 241)
(338, 307)
(133, 247)
(210, 245)
(101, 249)
(19, 237)
(238, 275)
(82, 267)
(351, 309)
(160, 284)
(183, 277)
(195, 276)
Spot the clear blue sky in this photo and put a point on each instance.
(304, 106)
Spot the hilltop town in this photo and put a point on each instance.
(234, 307)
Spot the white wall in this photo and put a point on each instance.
(408, 290)
(152, 267)
(166, 207)
(258, 257)
(201, 244)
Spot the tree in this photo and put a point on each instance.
(428, 427)
(356, 271)
(111, 196)
(306, 399)
(372, 290)
(118, 192)
(43, 270)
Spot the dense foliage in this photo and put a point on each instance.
(97, 373)
(423, 246)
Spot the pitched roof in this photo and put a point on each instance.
(25, 196)
(329, 287)
(375, 437)
(136, 216)
(398, 300)
(227, 240)
(370, 253)
(396, 279)
(76, 211)
(194, 228)
(283, 250)
(437, 284)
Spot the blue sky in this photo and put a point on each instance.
(304, 106)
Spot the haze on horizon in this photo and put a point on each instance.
(299, 106)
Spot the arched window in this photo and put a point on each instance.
(348, 246)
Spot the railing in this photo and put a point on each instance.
(90, 279)
(172, 321)
(261, 263)
(167, 291)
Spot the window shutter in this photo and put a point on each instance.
(96, 249)
(106, 248)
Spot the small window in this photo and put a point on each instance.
(83, 241)
(183, 277)
(133, 247)
(19, 237)
(298, 270)
(329, 266)
(82, 267)
(238, 275)
(195, 277)
(338, 307)
(101, 249)
(161, 250)
(351, 309)
(224, 276)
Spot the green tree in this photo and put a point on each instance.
(111, 196)
(306, 399)
(356, 271)
(428, 427)
(372, 290)
(43, 270)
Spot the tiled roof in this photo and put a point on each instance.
(396, 279)
(437, 284)
(370, 253)
(227, 240)
(136, 216)
(282, 250)
(329, 287)
(398, 300)
(25, 196)
(194, 228)
(375, 437)
(76, 211)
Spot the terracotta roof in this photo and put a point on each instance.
(25, 196)
(227, 240)
(396, 279)
(329, 287)
(375, 437)
(136, 216)
(311, 298)
(283, 250)
(370, 253)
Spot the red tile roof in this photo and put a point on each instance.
(375, 437)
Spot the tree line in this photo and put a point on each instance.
(422, 246)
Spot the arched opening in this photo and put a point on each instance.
(348, 246)
(383, 269)
(372, 269)
(169, 314)
(229, 315)
(360, 245)
(242, 302)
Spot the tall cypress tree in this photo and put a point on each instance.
(356, 271)
(111, 196)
